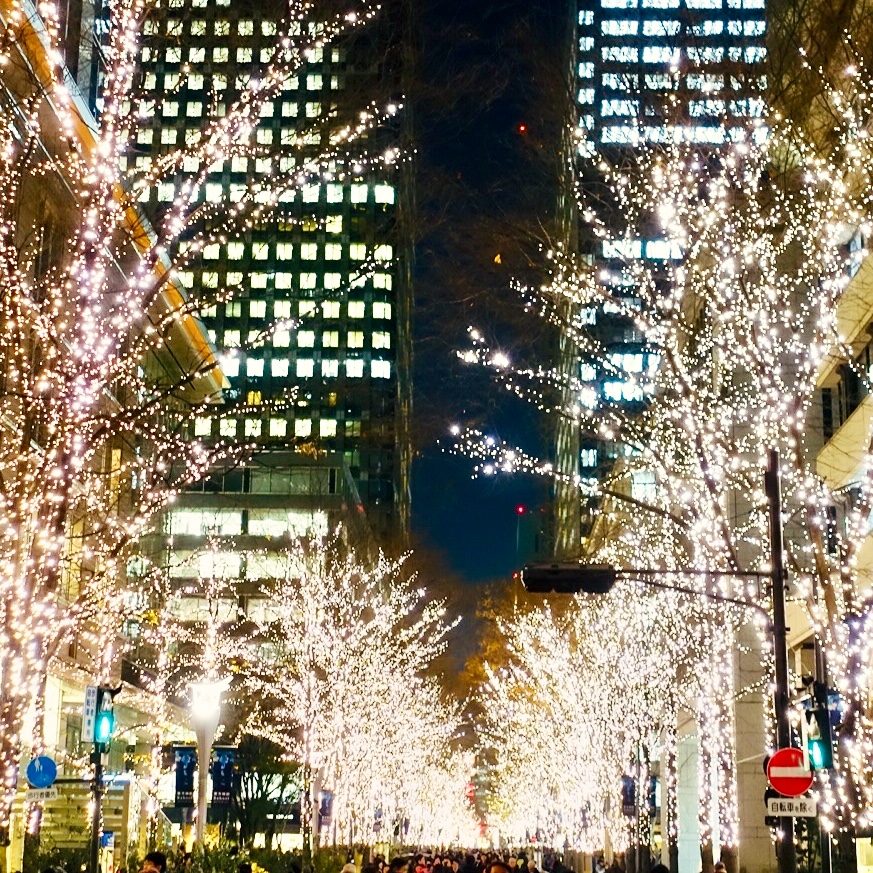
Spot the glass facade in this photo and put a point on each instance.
(312, 328)
(648, 72)
(664, 70)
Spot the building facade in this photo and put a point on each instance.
(313, 304)
(647, 72)
(652, 73)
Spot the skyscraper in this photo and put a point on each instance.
(648, 72)
(314, 332)
(655, 70)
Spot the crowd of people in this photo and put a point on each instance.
(459, 862)
(445, 862)
(487, 862)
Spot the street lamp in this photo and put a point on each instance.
(205, 714)
(569, 578)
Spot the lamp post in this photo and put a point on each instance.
(205, 714)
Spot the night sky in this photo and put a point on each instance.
(479, 195)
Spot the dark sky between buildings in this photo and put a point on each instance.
(478, 198)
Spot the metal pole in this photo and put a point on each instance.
(205, 735)
(97, 811)
(785, 845)
(821, 674)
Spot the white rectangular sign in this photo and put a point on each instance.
(89, 714)
(803, 807)
(35, 795)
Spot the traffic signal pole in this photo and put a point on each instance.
(573, 578)
(786, 855)
(97, 811)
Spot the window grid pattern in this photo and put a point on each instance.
(304, 266)
(662, 69)
(653, 71)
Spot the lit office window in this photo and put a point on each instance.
(623, 54)
(619, 27)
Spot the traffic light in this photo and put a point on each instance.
(819, 742)
(104, 720)
(568, 578)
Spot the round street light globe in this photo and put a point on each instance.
(206, 700)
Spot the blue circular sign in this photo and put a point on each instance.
(42, 772)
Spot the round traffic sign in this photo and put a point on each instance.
(41, 772)
(786, 773)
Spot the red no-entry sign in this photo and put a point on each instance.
(786, 773)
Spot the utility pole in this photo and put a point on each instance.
(785, 845)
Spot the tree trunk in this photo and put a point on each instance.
(706, 864)
(670, 810)
(730, 859)
(704, 794)
(673, 863)
(12, 713)
(847, 853)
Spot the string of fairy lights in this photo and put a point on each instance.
(337, 672)
(732, 265)
(95, 396)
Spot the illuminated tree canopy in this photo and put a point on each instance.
(733, 264)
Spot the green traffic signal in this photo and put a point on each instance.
(818, 755)
(104, 718)
(819, 742)
(104, 725)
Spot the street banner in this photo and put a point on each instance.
(223, 774)
(185, 764)
(325, 810)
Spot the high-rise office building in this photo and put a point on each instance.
(652, 73)
(314, 337)
(663, 70)
(647, 72)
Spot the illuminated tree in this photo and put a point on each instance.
(103, 363)
(586, 701)
(732, 264)
(336, 674)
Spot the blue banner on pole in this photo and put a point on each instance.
(223, 774)
(185, 764)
